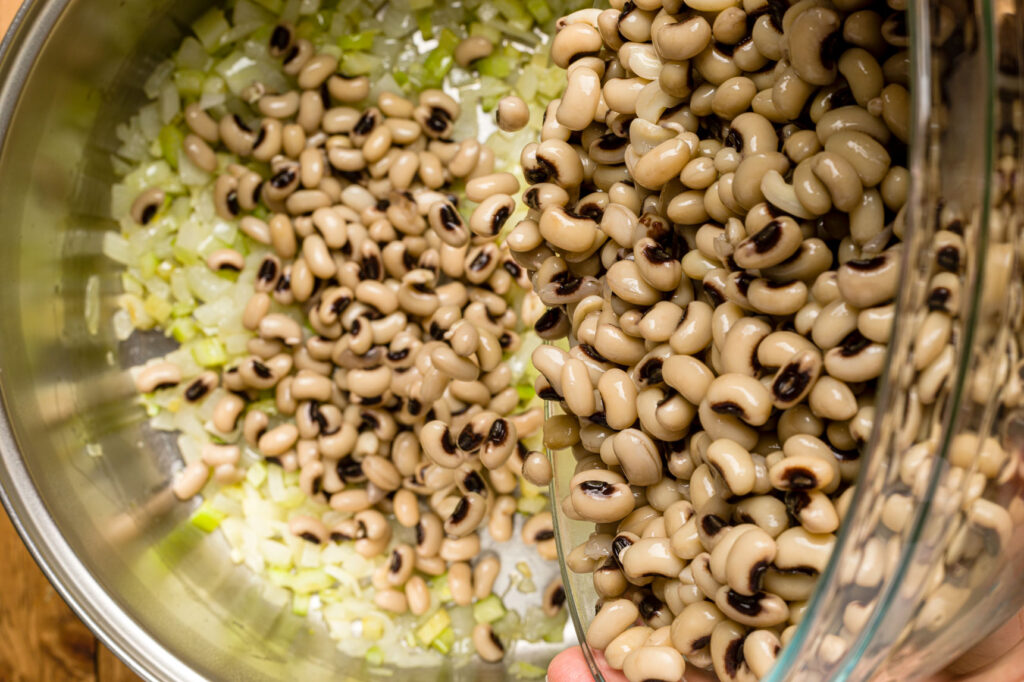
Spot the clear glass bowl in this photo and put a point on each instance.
(938, 503)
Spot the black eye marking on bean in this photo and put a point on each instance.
(325, 95)
(446, 442)
(796, 502)
(349, 469)
(280, 37)
(469, 440)
(867, 264)
(800, 478)
(790, 383)
(591, 352)
(650, 372)
(747, 605)
(558, 597)
(713, 294)
(196, 390)
(498, 433)
(768, 237)
(232, 201)
(473, 483)
(734, 139)
(597, 488)
(650, 607)
(544, 535)
(494, 638)
(369, 267)
(549, 320)
(283, 178)
(938, 299)
(482, 260)
(461, 510)
(261, 370)
(701, 642)
(610, 142)
(619, 545)
(368, 421)
(712, 524)
(743, 282)
(853, 343)
(733, 657)
(147, 213)
(261, 135)
(948, 258)
(366, 123)
(267, 271)
(309, 537)
(241, 124)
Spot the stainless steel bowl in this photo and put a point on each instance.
(104, 527)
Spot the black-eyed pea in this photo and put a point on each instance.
(761, 610)
(760, 651)
(799, 549)
(739, 344)
(460, 549)
(537, 468)
(726, 426)
(771, 245)
(766, 512)
(391, 600)
(741, 396)
(612, 619)
(601, 496)
(801, 145)
(802, 472)
(460, 582)
(795, 379)
(467, 515)
(788, 95)
(691, 630)
(157, 376)
(486, 642)
(863, 153)
(733, 463)
(832, 399)
(190, 480)
(653, 663)
(618, 394)
(895, 102)
(694, 332)
(807, 38)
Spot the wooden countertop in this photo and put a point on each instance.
(41, 640)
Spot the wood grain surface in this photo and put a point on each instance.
(41, 640)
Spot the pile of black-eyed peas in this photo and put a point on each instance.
(716, 206)
(381, 320)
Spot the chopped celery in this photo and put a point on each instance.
(157, 308)
(528, 506)
(484, 31)
(434, 626)
(526, 393)
(307, 581)
(359, 63)
(445, 641)
(416, 5)
(189, 81)
(555, 629)
(210, 28)
(300, 604)
(539, 9)
(170, 144)
(530, 490)
(372, 628)
(148, 264)
(425, 24)
(497, 65)
(209, 352)
(274, 6)
(488, 610)
(512, 10)
(440, 60)
(256, 474)
(375, 655)
(524, 670)
(207, 518)
(357, 42)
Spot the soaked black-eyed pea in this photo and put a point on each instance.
(740, 395)
(733, 464)
(770, 246)
(601, 496)
(868, 282)
(851, 118)
(795, 379)
(484, 574)
(765, 511)
(579, 103)
(201, 123)
(487, 644)
(856, 359)
(157, 376)
(611, 620)
(460, 582)
(691, 630)
(810, 39)
(490, 215)
(469, 512)
(438, 444)
(650, 663)
(801, 472)
(199, 153)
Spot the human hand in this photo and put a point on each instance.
(997, 658)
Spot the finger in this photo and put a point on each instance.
(980, 661)
(570, 666)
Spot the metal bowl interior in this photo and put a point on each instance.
(104, 527)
